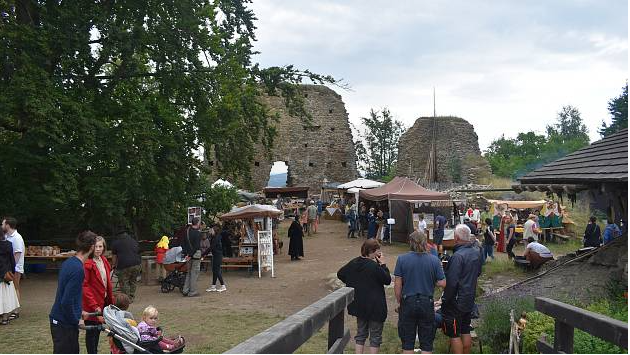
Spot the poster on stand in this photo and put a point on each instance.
(265, 252)
(193, 212)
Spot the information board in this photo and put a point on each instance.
(193, 212)
(265, 252)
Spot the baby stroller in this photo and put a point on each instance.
(175, 278)
(125, 338)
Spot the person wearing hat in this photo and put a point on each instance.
(530, 229)
(416, 275)
(458, 300)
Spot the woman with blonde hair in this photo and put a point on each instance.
(97, 290)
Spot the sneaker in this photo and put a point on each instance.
(222, 288)
(212, 288)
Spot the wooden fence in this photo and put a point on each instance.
(568, 318)
(288, 335)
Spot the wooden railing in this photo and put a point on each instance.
(568, 318)
(288, 335)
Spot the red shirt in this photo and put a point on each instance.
(94, 293)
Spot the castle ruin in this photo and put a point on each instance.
(458, 158)
(314, 151)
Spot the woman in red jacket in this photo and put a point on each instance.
(97, 291)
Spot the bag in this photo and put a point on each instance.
(8, 277)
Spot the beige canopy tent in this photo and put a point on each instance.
(401, 193)
(252, 211)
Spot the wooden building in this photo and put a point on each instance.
(601, 169)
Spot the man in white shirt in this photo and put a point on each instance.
(476, 216)
(422, 224)
(9, 225)
(536, 253)
(530, 228)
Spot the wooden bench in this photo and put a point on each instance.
(562, 237)
(238, 263)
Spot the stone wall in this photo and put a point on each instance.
(457, 149)
(321, 149)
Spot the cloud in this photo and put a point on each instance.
(504, 66)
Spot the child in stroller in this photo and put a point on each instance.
(149, 330)
(124, 335)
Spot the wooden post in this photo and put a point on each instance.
(511, 331)
(335, 328)
(563, 339)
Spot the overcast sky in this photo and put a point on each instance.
(504, 66)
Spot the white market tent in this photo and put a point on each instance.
(360, 183)
(222, 182)
(354, 186)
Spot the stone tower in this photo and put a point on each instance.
(458, 157)
(312, 152)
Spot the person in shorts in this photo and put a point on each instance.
(416, 275)
(458, 301)
(438, 233)
(368, 275)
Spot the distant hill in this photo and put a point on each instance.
(277, 180)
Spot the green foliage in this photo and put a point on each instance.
(378, 152)
(455, 169)
(537, 324)
(103, 105)
(218, 199)
(616, 306)
(514, 157)
(494, 330)
(618, 109)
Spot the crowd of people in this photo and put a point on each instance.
(416, 276)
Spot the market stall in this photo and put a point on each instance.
(257, 239)
(355, 186)
(550, 213)
(401, 195)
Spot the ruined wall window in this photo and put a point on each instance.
(257, 163)
(305, 95)
(311, 164)
(343, 163)
(332, 129)
(211, 163)
(328, 165)
(305, 145)
(330, 110)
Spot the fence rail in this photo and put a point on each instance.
(288, 335)
(568, 317)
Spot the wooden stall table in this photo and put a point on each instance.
(52, 260)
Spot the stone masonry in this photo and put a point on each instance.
(313, 151)
(457, 150)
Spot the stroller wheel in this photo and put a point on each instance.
(167, 287)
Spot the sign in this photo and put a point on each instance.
(265, 252)
(193, 212)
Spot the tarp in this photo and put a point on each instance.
(360, 183)
(519, 204)
(403, 189)
(252, 211)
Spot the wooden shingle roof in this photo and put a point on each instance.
(603, 161)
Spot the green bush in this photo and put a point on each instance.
(494, 330)
(583, 343)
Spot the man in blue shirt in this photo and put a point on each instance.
(416, 275)
(611, 232)
(66, 313)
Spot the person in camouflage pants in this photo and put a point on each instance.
(127, 280)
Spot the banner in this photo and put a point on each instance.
(265, 252)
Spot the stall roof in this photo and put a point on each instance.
(252, 211)
(360, 183)
(402, 188)
(221, 182)
(519, 204)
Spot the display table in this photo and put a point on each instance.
(448, 242)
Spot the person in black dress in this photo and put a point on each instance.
(296, 245)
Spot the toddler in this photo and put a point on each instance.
(149, 331)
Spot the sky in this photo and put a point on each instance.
(504, 66)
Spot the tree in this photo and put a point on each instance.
(618, 109)
(378, 152)
(528, 151)
(218, 199)
(105, 102)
